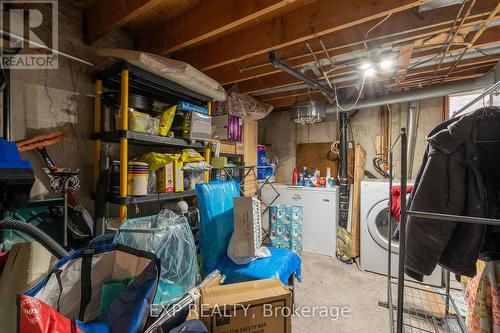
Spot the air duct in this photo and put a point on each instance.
(277, 63)
(428, 92)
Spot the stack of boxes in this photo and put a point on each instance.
(285, 224)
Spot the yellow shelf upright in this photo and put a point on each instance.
(124, 141)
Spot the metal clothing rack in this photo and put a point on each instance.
(252, 169)
(410, 317)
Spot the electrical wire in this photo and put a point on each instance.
(424, 61)
(357, 99)
(374, 27)
(335, 85)
(481, 51)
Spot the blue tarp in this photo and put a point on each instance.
(215, 202)
(282, 263)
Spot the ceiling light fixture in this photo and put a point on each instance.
(370, 72)
(385, 64)
(366, 65)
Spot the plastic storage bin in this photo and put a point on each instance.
(138, 121)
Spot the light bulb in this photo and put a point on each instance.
(386, 64)
(366, 65)
(370, 72)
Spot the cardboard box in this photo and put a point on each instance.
(165, 178)
(178, 176)
(261, 306)
(247, 234)
(228, 127)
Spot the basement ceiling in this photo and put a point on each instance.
(429, 42)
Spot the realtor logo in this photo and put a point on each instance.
(32, 30)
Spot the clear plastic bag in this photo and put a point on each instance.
(242, 105)
(169, 236)
(174, 70)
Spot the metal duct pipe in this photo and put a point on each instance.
(276, 62)
(424, 93)
(359, 75)
(412, 127)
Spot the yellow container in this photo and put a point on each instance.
(138, 121)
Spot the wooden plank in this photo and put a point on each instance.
(359, 175)
(405, 53)
(410, 27)
(103, 17)
(314, 20)
(211, 19)
(316, 156)
(250, 138)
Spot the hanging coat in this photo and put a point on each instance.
(461, 177)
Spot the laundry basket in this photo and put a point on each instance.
(169, 236)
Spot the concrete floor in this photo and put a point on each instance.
(328, 282)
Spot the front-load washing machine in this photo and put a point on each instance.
(374, 236)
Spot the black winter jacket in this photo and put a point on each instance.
(459, 175)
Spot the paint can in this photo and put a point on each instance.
(137, 180)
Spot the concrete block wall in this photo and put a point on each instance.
(278, 131)
(43, 101)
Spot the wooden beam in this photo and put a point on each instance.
(317, 19)
(212, 19)
(103, 17)
(410, 27)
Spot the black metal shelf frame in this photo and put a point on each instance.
(131, 79)
(153, 197)
(145, 83)
(146, 139)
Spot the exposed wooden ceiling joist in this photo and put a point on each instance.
(103, 17)
(281, 79)
(314, 20)
(213, 19)
(410, 27)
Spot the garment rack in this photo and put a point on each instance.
(452, 321)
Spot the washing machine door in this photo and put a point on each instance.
(377, 223)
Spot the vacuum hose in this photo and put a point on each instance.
(38, 235)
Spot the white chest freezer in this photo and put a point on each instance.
(320, 213)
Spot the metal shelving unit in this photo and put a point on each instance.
(153, 197)
(133, 79)
(146, 139)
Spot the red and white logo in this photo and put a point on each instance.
(32, 309)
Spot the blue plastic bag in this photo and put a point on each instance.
(215, 202)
